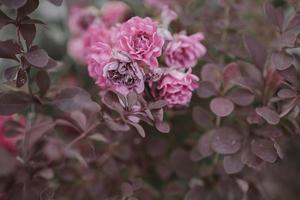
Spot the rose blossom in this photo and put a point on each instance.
(123, 74)
(184, 51)
(114, 69)
(98, 55)
(76, 49)
(176, 87)
(139, 38)
(113, 12)
(81, 18)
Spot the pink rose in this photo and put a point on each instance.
(176, 87)
(123, 74)
(97, 56)
(81, 18)
(97, 32)
(139, 38)
(113, 12)
(76, 49)
(184, 51)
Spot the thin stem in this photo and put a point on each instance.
(83, 135)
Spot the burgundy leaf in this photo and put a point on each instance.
(204, 144)
(256, 50)
(212, 73)
(37, 57)
(33, 21)
(226, 141)
(7, 162)
(28, 32)
(288, 39)
(21, 78)
(221, 106)
(132, 99)
(248, 158)
(10, 73)
(269, 131)
(163, 127)
(275, 15)
(11, 103)
(56, 2)
(112, 101)
(264, 149)
(241, 97)
(4, 19)
(206, 89)
(43, 82)
(14, 3)
(282, 60)
(157, 104)
(139, 129)
(294, 22)
(27, 9)
(9, 49)
(254, 118)
(231, 72)
(279, 150)
(181, 163)
(286, 93)
(202, 117)
(269, 115)
(233, 164)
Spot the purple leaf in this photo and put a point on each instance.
(4, 19)
(11, 103)
(269, 115)
(112, 101)
(28, 32)
(241, 97)
(56, 2)
(9, 49)
(233, 164)
(27, 9)
(269, 131)
(286, 93)
(202, 117)
(282, 60)
(204, 144)
(212, 73)
(37, 57)
(288, 39)
(10, 73)
(226, 141)
(294, 22)
(131, 99)
(231, 72)
(275, 15)
(264, 149)
(139, 128)
(157, 104)
(181, 163)
(206, 89)
(7, 162)
(221, 106)
(163, 127)
(43, 82)
(256, 50)
(13, 3)
(21, 78)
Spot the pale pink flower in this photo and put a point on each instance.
(76, 49)
(97, 32)
(81, 18)
(113, 12)
(123, 74)
(139, 38)
(176, 87)
(97, 56)
(184, 51)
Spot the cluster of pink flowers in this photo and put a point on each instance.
(125, 56)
